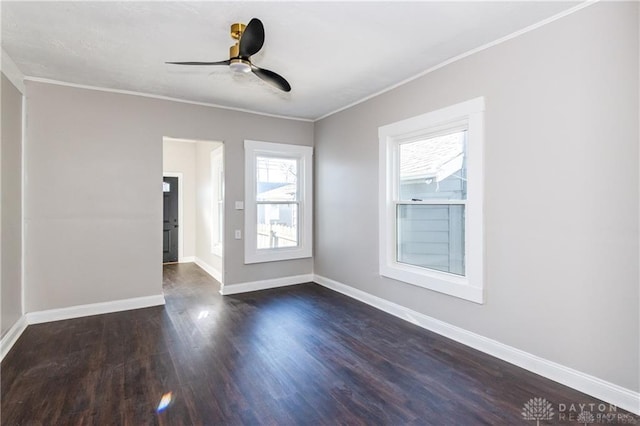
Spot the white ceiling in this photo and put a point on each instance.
(332, 53)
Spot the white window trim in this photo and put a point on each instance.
(253, 149)
(470, 286)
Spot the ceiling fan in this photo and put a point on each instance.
(250, 40)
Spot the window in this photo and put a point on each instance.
(217, 200)
(431, 184)
(278, 201)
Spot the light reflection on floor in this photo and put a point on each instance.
(165, 401)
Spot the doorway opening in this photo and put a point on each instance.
(198, 169)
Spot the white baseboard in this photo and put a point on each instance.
(12, 335)
(94, 309)
(598, 388)
(188, 259)
(216, 274)
(10, 338)
(265, 284)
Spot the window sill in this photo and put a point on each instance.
(442, 282)
(276, 255)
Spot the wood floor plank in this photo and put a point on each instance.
(299, 355)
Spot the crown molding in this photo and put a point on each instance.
(467, 53)
(164, 98)
(11, 71)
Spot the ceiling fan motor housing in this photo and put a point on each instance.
(238, 64)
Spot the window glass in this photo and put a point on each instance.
(433, 168)
(431, 236)
(277, 226)
(276, 179)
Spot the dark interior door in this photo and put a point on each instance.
(170, 220)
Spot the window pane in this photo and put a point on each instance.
(277, 179)
(277, 225)
(434, 168)
(431, 236)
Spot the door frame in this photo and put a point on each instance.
(180, 227)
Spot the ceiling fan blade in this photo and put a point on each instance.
(252, 38)
(272, 78)
(227, 62)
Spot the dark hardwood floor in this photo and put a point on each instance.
(300, 355)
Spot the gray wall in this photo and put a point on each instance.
(11, 170)
(93, 191)
(561, 194)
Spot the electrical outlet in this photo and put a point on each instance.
(239, 205)
(238, 234)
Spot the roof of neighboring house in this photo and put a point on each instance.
(437, 157)
(273, 191)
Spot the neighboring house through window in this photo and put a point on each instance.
(431, 185)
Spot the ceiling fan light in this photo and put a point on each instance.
(240, 67)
